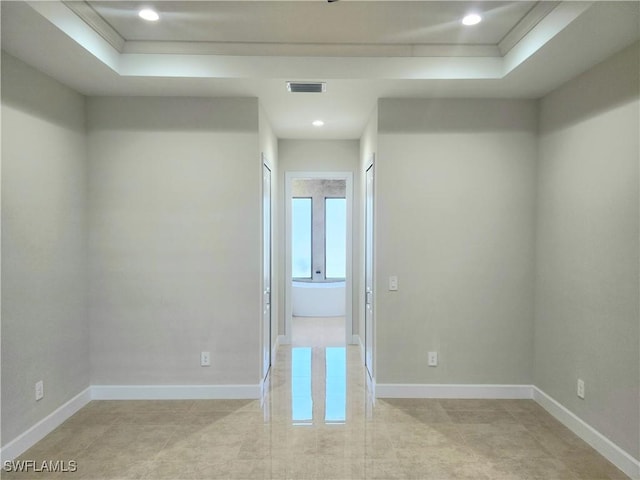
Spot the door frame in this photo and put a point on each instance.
(348, 314)
(266, 366)
(369, 346)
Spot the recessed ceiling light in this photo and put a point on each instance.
(471, 19)
(317, 123)
(148, 14)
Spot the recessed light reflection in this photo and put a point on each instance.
(149, 15)
(317, 123)
(471, 19)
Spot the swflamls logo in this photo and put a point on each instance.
(58, 466)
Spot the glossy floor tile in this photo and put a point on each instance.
(318, 331)
(317, 422)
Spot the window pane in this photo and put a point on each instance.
(335, 237)
(301, 238)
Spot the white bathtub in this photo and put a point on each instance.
(319, 299)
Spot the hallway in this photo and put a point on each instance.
(318, 421)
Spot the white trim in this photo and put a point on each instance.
(265, 382)
(97, 23)
(37, 432)
(525, 25)
(358, 341)
(174, 392)
(548, 27)
(79, 31)
(371, 387)
(266, 347)
(264, 387)
(612, 452)
(348, 317)
(391, 390)
(308, 49)
(280, 340)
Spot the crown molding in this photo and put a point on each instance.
(539, 11)
(97, 23)
(308, 49)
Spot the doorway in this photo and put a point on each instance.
(318, 253)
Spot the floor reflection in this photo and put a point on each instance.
(301, 393)
(329, 384)
(335, 385)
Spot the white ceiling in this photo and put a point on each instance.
(364, 50)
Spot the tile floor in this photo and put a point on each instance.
(317, 331)
(317, 421)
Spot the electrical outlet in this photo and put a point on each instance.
(580, 388)
(432, 359)
(39, 390)
(205, 359)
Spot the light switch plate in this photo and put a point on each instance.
(432, 359)
(39, 390)
(580, 389)
(205, 359)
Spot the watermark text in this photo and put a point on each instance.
(39, 466)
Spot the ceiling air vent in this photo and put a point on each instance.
(306, 87)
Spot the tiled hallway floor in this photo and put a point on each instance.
(317, 331)
(318, 422)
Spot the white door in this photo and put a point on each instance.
(368, 275)
(266, 281)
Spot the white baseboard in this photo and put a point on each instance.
(33, 435)
(174, 392)
(586, 432)
(397, 390)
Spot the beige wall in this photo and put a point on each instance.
(587, 316)
(318, 156)
(45, 332)
(455, 195)
(175, 240)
